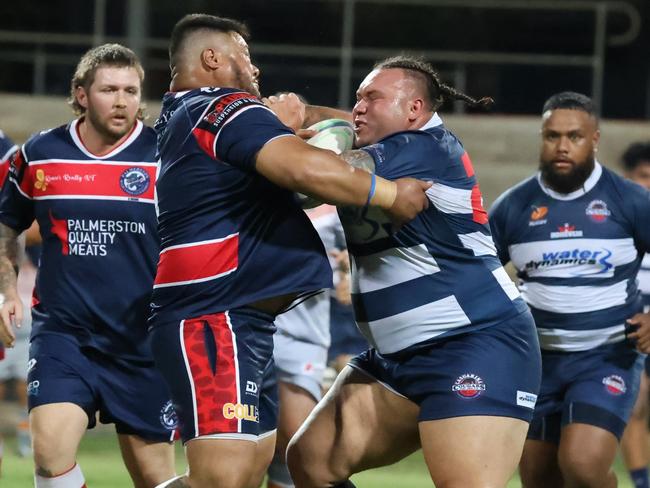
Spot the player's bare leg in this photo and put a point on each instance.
(538, 467)
(586, 455)
(295, 405)
(149, 463)
(358, 425)
(230, 463)
(57, 429)
(635, 445)
(478, 451)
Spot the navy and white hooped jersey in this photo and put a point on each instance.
(7, 148)
(310, 320)
(439, 275)
(100, 242)
(644, 280)
(229, 237)
(577, 255)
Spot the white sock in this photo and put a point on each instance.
(73, 478)
(169, 482)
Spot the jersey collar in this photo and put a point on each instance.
(589, 183)
(434, 121)
(74, 134)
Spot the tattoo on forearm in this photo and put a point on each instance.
(8, 258)
(359, 159)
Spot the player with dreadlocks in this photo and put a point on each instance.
(454, 365)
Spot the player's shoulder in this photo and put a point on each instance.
(520, 194)
(44, 139)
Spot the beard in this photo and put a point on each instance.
(245, 83)
(569, 181)
(113, 134)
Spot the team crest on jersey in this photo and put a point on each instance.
(41, 181)
(134, 181)
(168, 417)
(614, 384)
(538, 216)
(597, 211)
(468, 385)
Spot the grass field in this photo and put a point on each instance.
(100, 459)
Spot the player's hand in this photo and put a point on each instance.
(11, 315)
(411, 199)
(641, 336)
(289, 109)
(306, 134)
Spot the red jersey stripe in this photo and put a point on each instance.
(197, 262)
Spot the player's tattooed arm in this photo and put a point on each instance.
(12, 307)
(359, 159)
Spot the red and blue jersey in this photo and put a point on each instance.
(7, 148)
(229, 237)
(98, 223)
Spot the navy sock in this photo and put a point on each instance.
(347, 484)
(640, 478)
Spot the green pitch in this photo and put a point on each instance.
(100, 460)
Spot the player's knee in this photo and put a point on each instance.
(51, 454)
(311, 468)
(582, 469)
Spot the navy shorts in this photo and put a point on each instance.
(491, 371)
(221, 373)
(596, 387)
(130, 395)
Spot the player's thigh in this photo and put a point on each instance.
(295, 405)
(478, 451)
(539, 467)
(586, 451)
(57, 429)
(149, 462)
(222, 462)
(641, 408)
(359, 424)
(263, 456)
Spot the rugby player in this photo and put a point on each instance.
(576, 233)
(90, 186)
(454, 365)
(634, 443)
(236, 247)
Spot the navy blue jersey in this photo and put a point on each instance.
(98, 223)
(576, 255)
(7, 148)
(439, 275)
(229, 237)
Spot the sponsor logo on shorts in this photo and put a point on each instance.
(614, 384)
(468, 385)
(251, 388)
(525, 399)
(134, 181)
(32, 388)
(168, 417)
(597, 211)
(31, 364)
(240, 411)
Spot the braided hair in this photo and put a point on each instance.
(437, 92)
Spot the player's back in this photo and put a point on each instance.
(245, 238)
(438, 275)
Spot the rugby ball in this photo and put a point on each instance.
(334, 134)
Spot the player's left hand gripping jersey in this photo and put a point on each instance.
(577, 255)
(229, 237)
(98, 223)
(439, 275)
